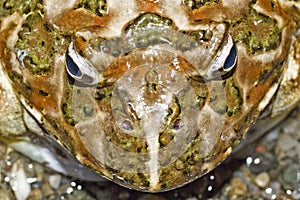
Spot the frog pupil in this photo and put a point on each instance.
(230, 60)
(72, 66)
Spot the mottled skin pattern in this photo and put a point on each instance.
(159, 115)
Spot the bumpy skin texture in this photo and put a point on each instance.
(159, 115)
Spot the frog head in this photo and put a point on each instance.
(149, 94)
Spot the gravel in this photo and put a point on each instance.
(269, 170)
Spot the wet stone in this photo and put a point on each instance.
(55, 180)
(47, 190)
(262, 180)
(262, 162)
(35, 194)
(238, 188)
(291, 175)
(285, 197)
(286, 142)
(151, 197)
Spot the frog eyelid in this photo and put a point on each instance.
(224, 61)
(79, 68)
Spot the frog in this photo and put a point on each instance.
(149, 94)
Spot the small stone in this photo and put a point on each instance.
(151, 197)
(263, 162)
(285, 197)
(55, 180)
(35, 194)
(47, 190)
(64, 189)
(238, 188)
(286, 142)
(262, 180)
(80, 194)
(291, 175)
(123, 195)
(18, 183)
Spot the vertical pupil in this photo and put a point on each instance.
(72, 66)
(230, 60)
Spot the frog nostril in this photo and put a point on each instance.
(178, 124)
(127, 125)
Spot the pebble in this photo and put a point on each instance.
(262, 180)
(262, 162)
(286, 142)
(238, 188)
(55, 180)
(35, 194)
(47, 190)
(271, 173)
(285, 197)
(291, 176)
(151, 197)
(18, 181)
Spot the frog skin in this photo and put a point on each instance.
(149, 94)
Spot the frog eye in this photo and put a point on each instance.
(224, 62)
(79, 68)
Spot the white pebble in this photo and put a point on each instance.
(262, 180)
(54, 180)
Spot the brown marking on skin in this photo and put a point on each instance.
(150, 6)
(265, 4)
(117, 69)
(81, 46)
(3, 35)
(208, 12)
(217, 12)
(78, 19)
(182, 66)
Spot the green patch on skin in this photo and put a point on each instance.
(233, 96)
(74, 113)
(98, 7)
(135, 178)
(8, 7)
(66, 108)
(40, 44)
(259, 32)
(104, 94)
(195, 4)
(217, 99)
(16, 77)
(149, 21)
(34, 39)
(226, 99)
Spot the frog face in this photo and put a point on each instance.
(149, 94)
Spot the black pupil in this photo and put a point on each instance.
(230, 60)
(72, 67)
